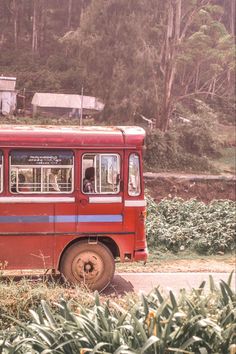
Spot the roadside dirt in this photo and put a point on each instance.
(186, 186)
(224, 265)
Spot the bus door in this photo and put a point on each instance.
(100, 195)
(134, 202)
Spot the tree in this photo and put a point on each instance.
(113, 56)
(144, 57)
(194, 46)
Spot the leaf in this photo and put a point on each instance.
(151, 340)
(145, 304)
(140, 328)
(230, 278)
(173, 301)
(97, 299)
(212, 283)
(124, 349)
(48, 314)
(227, 289)
(191, 341)
(99, 346)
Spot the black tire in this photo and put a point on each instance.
(89, 263)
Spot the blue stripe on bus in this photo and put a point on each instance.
(61, 218)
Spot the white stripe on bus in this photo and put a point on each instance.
(135, 203)
(105, 200)
(37, 200)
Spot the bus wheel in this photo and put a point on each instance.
(91, 264)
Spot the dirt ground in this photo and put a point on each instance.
(186, 186)
(202, 264)
(226, 264)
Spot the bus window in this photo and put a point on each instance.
(1, 172)
(101, 173)
(41, 171)
(134, 187)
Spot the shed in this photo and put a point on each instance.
(66, 101)
(7, 95)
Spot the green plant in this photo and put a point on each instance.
(177, 224)
(196, 322)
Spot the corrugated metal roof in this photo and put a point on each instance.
(7, 83)
(59, 100)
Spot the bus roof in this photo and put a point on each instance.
(70, 136)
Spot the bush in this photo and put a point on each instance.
(191, 323)
(198, 138)
(184, 146)
(177, 224)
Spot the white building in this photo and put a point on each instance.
(65, 101)
(7, 95)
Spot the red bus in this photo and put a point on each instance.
(72, 200)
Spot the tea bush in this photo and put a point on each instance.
(177, 224)
(196, 322)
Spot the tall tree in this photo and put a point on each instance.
(146, 57)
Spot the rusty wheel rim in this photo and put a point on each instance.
(87, 266)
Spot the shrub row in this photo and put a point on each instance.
(190, 323)
(185, 147)
(177, 225)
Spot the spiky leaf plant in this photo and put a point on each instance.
(197, 322)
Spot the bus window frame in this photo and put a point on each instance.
(42, 167)
(1, 171)
(140, 175)
(83, 171)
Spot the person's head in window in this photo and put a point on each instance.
(55, 171)
(88, 183)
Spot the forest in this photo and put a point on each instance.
(159, 60)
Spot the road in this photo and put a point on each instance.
(145, 282)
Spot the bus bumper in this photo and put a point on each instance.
(141, 255)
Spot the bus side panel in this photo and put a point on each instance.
(96, 214)
(27, 252)
(65, 218)
(26, 235)
(135, 220)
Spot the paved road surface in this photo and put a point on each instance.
(145, 282)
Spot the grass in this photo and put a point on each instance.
(27, 293)
(225, 133)
(227, 161)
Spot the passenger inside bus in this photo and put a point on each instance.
(22, 186)
(88, 182)
(53, 177)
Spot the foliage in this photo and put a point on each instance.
(198, 322)
(183, 147)
(177, 224)
(133, 54)
(198, 139)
